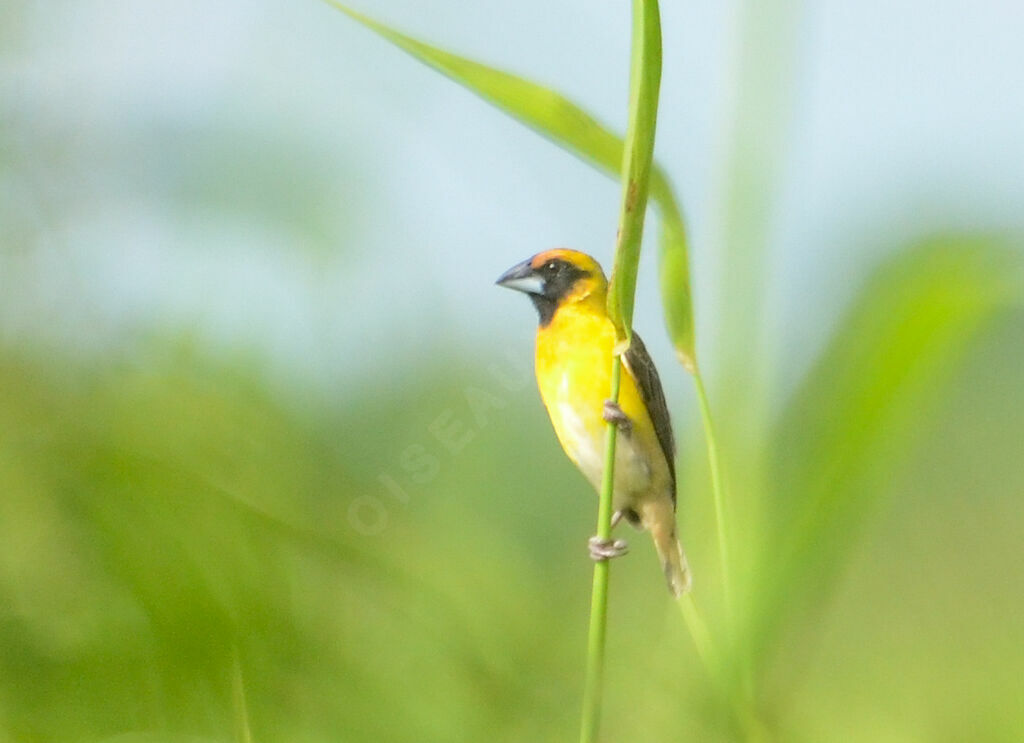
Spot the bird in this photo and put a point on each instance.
(575, 345)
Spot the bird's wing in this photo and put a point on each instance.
(641, 368)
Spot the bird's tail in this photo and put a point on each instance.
(660, 519)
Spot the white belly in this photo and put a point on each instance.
(632, 473)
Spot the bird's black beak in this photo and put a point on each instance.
(523, 278)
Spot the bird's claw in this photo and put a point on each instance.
(612, 413)
(606, 549)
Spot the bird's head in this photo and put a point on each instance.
(555, 278)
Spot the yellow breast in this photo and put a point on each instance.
(574, 361)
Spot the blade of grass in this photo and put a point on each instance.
(637, 157)
(568, 125)
(718, 495)
(594, 681)
(674, 273)
(637, 162)
(852, 422)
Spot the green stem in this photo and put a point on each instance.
(637, 163)
(740, 690)
(637, 159)
(721, 519)
(599, 594)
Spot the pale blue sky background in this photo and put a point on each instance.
(269, 176)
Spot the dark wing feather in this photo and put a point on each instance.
(640, 366)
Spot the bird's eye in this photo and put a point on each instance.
(552, 266)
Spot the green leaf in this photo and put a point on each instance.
(674, 274)
(569, 126)
(853, 421)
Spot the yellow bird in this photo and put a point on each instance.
(575, 346)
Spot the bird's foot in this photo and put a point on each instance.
(614, 414)
(606, 549)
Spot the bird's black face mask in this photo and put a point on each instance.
(546, 285)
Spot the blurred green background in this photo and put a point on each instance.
(272, 463)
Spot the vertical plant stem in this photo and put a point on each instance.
(599, 595)
(717, 491)
(637, 164)
(637, 159)
(738, 688)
